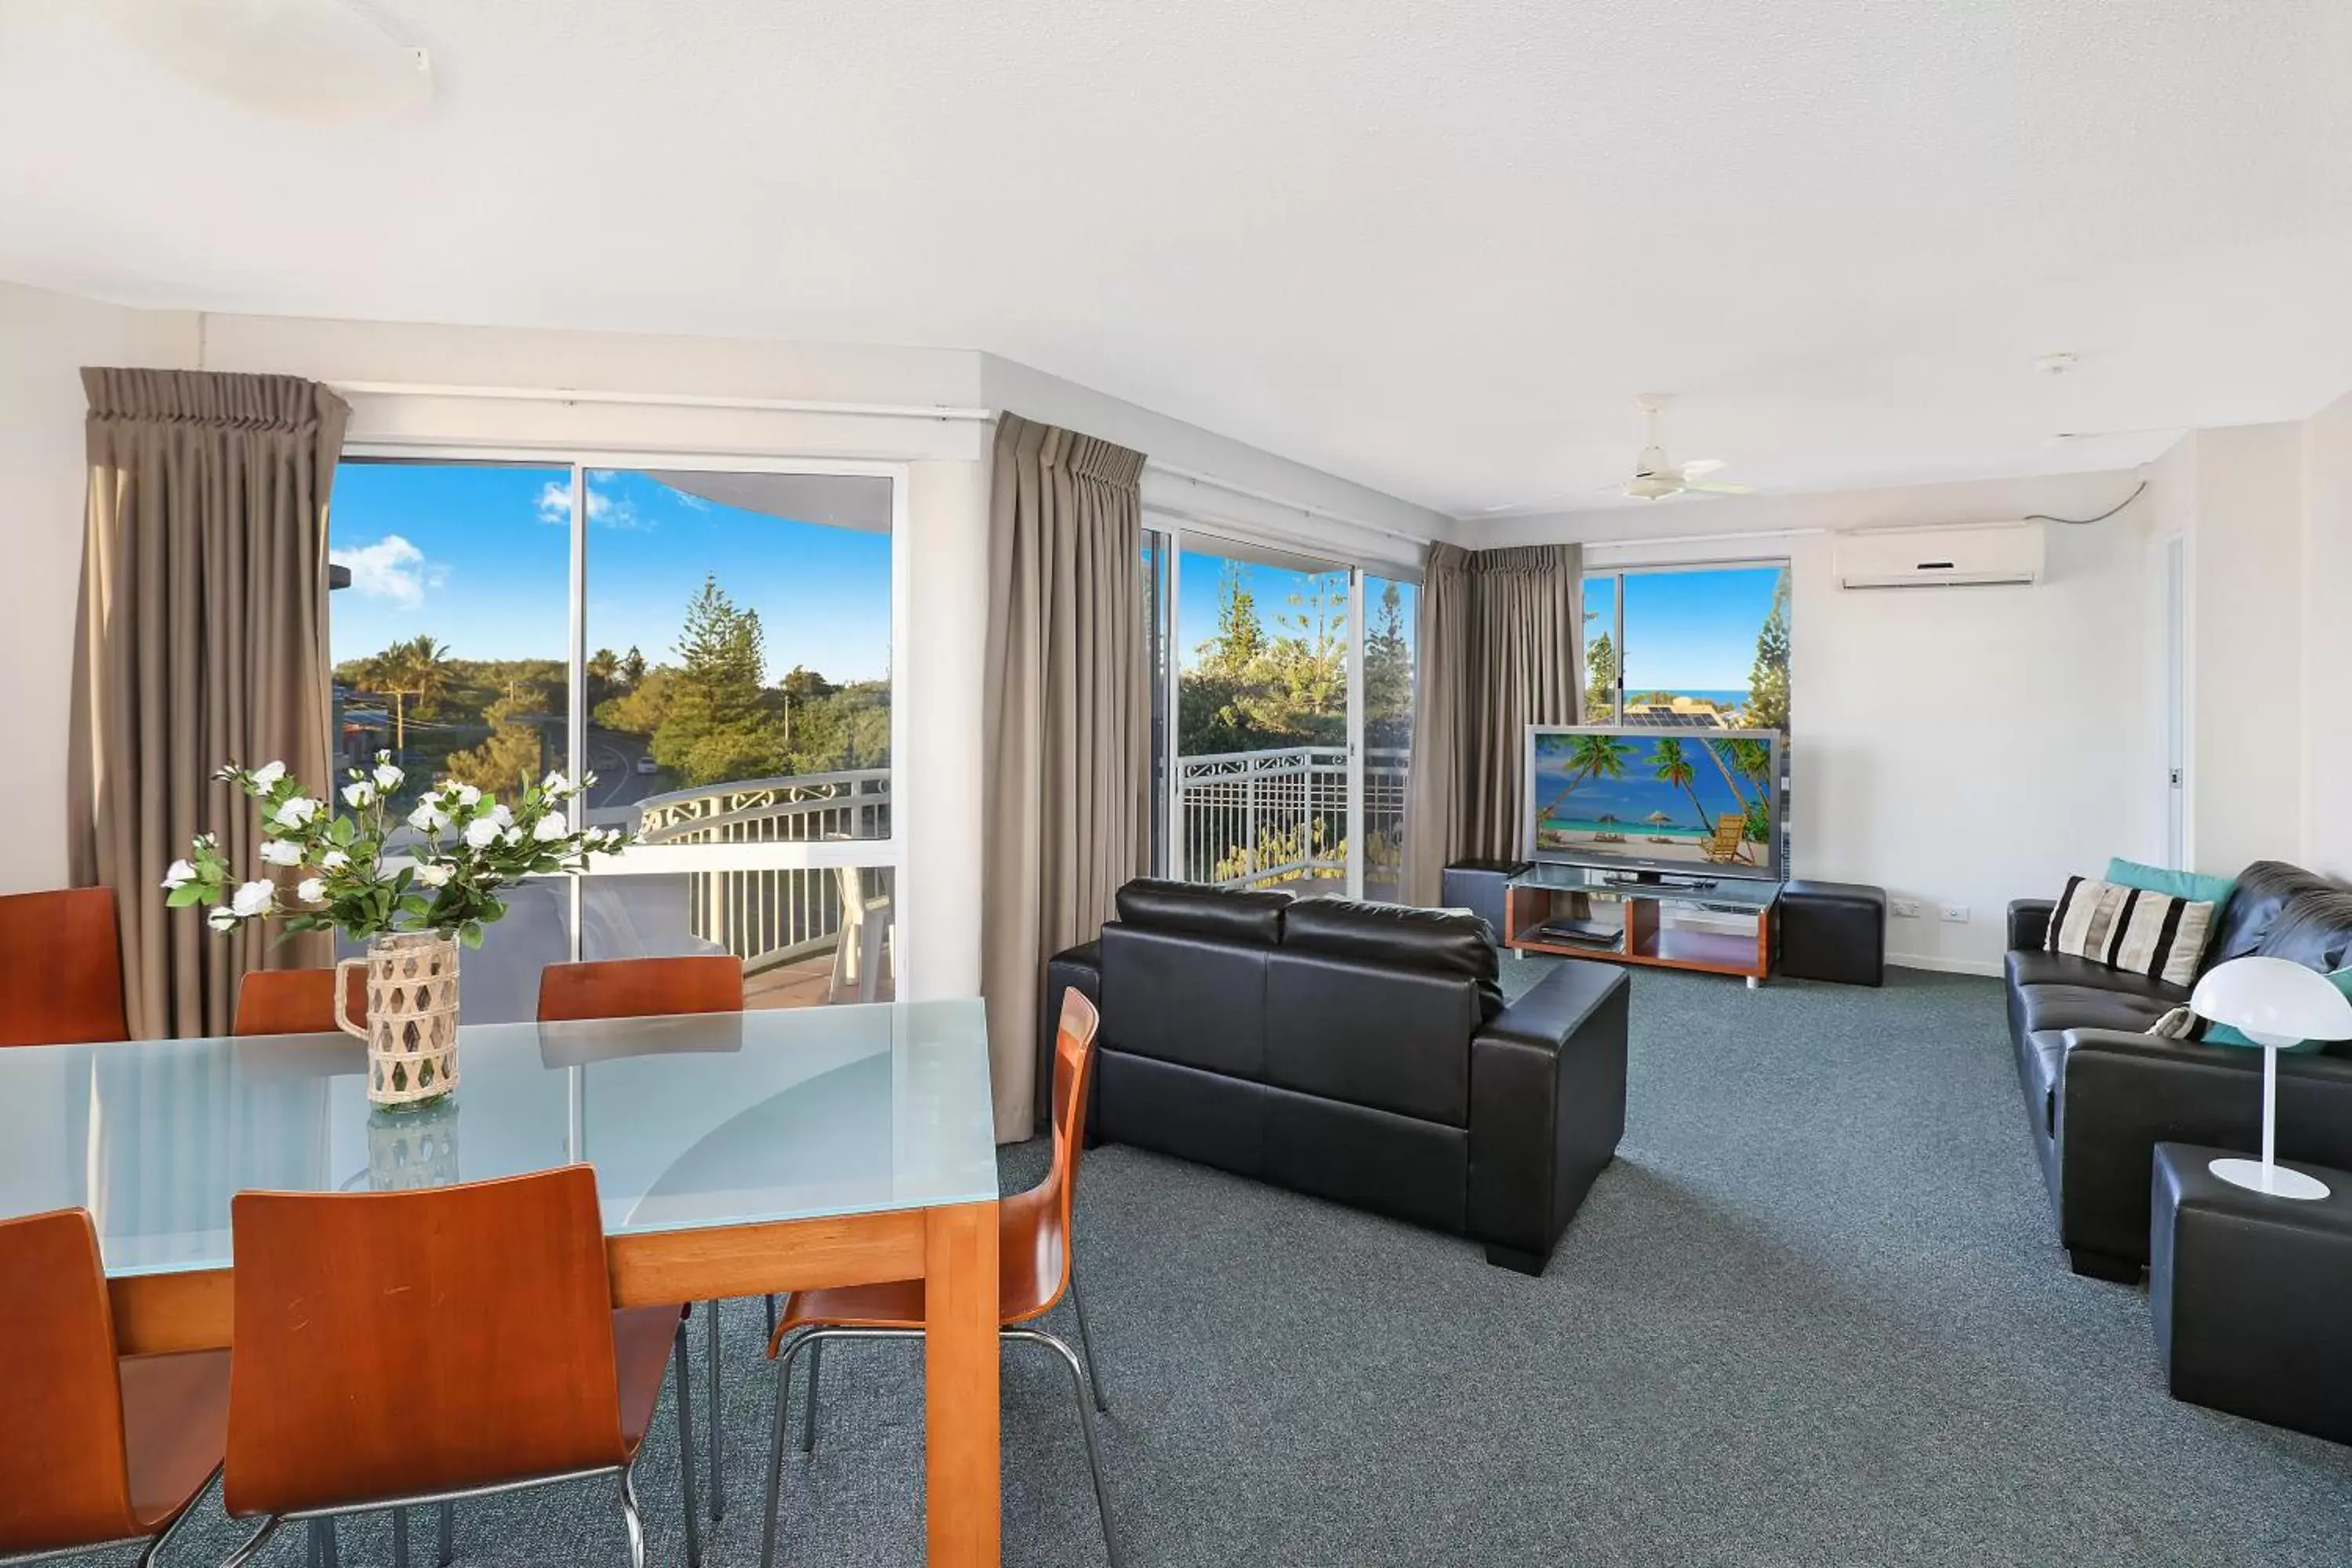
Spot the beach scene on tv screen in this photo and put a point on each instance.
(1665, 798)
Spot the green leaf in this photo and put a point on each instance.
(471, 935)
(184, 895)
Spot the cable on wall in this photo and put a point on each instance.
(2086, 522)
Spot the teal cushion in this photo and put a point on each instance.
(2191, 885)
(2222, 1035)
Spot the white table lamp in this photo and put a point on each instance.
(2273, 1003)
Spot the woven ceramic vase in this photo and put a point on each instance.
(411, 1024)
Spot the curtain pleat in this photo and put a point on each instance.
(1500, 643)
(1066, 724)
(202, 639)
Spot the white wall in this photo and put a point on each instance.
(2327, 575)
(45, 340)
(1952, 745)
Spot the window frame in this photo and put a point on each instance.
(671, 859)
(1616, 632)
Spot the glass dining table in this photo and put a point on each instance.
(736, 1154)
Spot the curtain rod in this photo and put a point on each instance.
(811, 406)
(1211, 481)
(664, 400)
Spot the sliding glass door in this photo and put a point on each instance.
(711, 641)
(1292, 715)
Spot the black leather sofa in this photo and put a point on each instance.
(2101, 1093)
(1359, 1052)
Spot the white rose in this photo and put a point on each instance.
(334, 860)
(297, 811)
(178, 874)
(511, 835)
(222, 919)
(425, 818)
(252, 898)
(468, 795)
(556, 783)
(482, 832)
(500, 815)
(281, 852)
(268, 774)
(432, 876)
(387, 778)
(359, 793)
(548, 828)
(312, 891)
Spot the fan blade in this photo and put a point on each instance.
(1723, 489)
(1701, 466)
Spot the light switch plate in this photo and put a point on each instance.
(1957, 913)
(1907, 908)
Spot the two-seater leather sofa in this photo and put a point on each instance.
(2101, 1093)
(1360, 1052)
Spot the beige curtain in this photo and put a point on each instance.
(1501, 646)
(1065, 725)
(202, 639)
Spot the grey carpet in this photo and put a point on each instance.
(1815, 1314)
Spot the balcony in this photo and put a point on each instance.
(1279, 819)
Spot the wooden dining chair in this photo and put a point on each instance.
(63, 983)
(302, 1002)
(1036, 1266)
(296, 1001)
(658, 988)
(101, 1448)
(396, 1348)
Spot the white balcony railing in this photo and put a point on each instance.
(1259, 819)
(769, 917)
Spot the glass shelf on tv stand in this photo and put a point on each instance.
(1718, 925)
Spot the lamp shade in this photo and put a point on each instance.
(2272, 1002)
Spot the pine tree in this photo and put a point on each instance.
(1601, 672)
(719, 726)
(1768, 679)
(1387, 673)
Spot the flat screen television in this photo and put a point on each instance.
(1690, 803)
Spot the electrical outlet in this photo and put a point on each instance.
(1957, 913)
(1907, 908)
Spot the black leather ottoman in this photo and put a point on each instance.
(1834, 930)
(2248, 1293)
(1478, 885)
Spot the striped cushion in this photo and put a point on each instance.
(2131, 929)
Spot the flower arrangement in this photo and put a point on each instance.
(470, 846)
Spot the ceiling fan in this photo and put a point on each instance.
(1654, 479)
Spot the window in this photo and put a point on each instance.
(1700, 647)
(1390, 646)
(713, 644)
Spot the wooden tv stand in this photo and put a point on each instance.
(1730, 928)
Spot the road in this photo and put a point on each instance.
(613, 757)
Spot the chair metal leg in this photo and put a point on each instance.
(399, 1538)
(323, 1542)
(629, 1516)
(771, 1317)
(683, 1369)
(448, 1533)
(147, 1553)
(1087, 1341)
(808, 1407)
(1086, 1425)
(776, 1450)
(717, 1425)
(252, 1544)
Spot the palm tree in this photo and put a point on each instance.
(419, 669)
(1673, 766)
(1714, 750)
(1590, 756)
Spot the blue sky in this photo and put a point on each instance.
(1687, 631)
(479, 556)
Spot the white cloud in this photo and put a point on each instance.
(604, 510)
(393, 569)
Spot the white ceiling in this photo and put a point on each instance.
(1434, 248)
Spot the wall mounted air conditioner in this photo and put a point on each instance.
(1976, 555)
